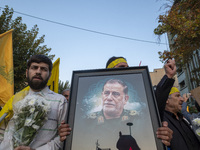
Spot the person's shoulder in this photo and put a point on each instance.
(94, 115)
(131, 112)
(128, 114)
(168, 116)
(56, 96)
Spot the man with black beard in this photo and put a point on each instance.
(38, 73)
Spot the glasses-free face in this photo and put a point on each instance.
(113, 100)
(66, 95)
(121, 65)
(175, 102)
(38, 75)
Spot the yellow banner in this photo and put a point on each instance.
(54, 79)
(6, 67)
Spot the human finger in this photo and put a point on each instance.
(167, 143)
(23, 148)
(164, 133)
(64, 127)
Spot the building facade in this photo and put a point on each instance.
(189, 75)
(157, 75)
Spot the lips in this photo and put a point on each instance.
(180, 104)
(37, 78)
(109, 104)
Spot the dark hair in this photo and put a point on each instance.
(117, 81)
(38, 59)
(112, 59)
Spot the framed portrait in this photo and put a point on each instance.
(113, 109)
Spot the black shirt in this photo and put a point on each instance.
(183, 136)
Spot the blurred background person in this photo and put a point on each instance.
(66, 94)
(189, 116)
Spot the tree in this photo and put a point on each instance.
(62, 86)
(25, 44)
(182, 22)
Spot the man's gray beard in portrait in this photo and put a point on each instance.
(37, 85)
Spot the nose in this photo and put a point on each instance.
(38, 71)
(181, 99)
(109, 97)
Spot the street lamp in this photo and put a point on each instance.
(129, 124)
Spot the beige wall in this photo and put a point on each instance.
(157, 75)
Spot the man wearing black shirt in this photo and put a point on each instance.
(183, 136)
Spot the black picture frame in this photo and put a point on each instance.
(92, 131)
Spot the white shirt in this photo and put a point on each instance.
(47, 137)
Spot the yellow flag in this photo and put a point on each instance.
(6, 67)
(53, 81)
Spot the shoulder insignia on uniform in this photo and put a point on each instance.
(124, 118)
(133, 112)
(100, 119)
(92, 115)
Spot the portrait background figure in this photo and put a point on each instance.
(107, 132)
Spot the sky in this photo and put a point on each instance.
(84, 50)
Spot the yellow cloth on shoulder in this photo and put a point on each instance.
(8, 107)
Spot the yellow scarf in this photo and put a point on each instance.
(8, 107)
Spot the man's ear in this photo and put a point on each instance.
(49, 76)
(126, 98)
(26, 72)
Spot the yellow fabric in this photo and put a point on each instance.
(173, 90)
(8, 107)
(188, 109)
(54, 79)
(6, 67)
(115, 62)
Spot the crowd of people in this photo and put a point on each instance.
(176, 132)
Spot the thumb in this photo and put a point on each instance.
(165, 124)
(62, 122)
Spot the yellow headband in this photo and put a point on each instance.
(173, 90)
(115, 62)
